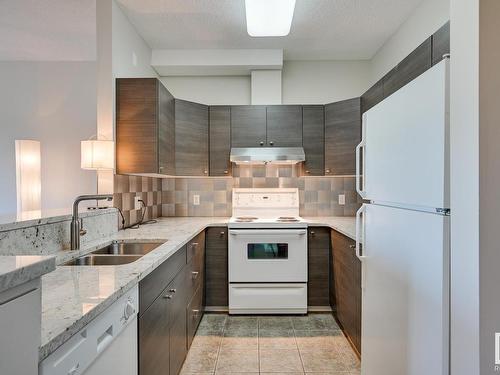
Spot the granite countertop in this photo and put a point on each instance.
(17, 270)
(73, 296)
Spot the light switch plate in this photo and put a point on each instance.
(196, 200)
(342, 199)
(137, 204)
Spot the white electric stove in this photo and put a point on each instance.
(267, 253)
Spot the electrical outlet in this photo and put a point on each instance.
(342, 199)
(196, 200)
(137, 204)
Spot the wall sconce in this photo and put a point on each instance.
(28, 176)
(97, 155)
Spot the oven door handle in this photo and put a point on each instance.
(299, 232)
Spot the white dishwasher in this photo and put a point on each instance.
(107, 345)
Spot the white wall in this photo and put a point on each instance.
(131, 54)
(321, 82)
(266, 87)
(55, 103)
(231, 90)
(424, 21)
(303, 82)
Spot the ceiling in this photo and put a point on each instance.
(321, 29)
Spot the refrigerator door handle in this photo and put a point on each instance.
(360, 172)
(360, 230)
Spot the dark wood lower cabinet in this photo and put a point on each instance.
(216, 279)
(347, 287)
(167, 322)
(318, 266)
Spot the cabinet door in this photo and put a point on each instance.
(220, 141)
(342, 135)
(314, 139)
(166, 131)
(136, 125)
(248, 126)
(154, 339)
(347, 283)
(178, 343)
(318, 267)
(284, 126)
(191, 139)
(194, 313)
(216, 263)
(410, 68)
(440, 43)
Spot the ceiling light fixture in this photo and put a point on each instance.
(269, 17)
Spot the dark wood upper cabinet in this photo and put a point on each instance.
(216, 258)
(347, 287)
(318, 267)
(441, 43)
(191, 138)
(342, 135)
(313, 117)
(410, 68)
(284, 125)
(166, 131)
(220, 140)
(373, 96)
(248, 126)
(144, 127)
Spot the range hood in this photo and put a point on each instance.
(260, 155)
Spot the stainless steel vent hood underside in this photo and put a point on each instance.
(260, 155)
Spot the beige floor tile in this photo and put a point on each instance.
(201, 341)
(351, 361)
(275, 322)
(280, 360)
(231, 361)
(240, 341)
(200, 360)
(277, 339)
(281, 373)
(311, 340)
(322, 360)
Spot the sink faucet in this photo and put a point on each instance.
(76, 228)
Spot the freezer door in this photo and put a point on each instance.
(405, 257)
(405, 144)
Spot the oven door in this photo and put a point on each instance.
(267, 255)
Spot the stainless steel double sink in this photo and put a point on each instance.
(115, 254)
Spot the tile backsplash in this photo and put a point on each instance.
(127, 187)
(318, 195)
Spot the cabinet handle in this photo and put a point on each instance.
(313, 233)
(271, 143)
(194, 275)
(352, 246)
(328, 170)
(173, 290)
(222, 234)
(168, 296)
(261, 143)
(205, 171)
(226, 172)
(308, 172)
(194, 245)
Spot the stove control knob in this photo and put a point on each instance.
(129, 309)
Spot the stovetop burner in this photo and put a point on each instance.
(245, 219)
(287, 219)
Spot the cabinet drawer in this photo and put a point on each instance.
(153, 284)
(194, 314)
(196, 247)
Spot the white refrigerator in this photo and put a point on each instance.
(403, 232)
